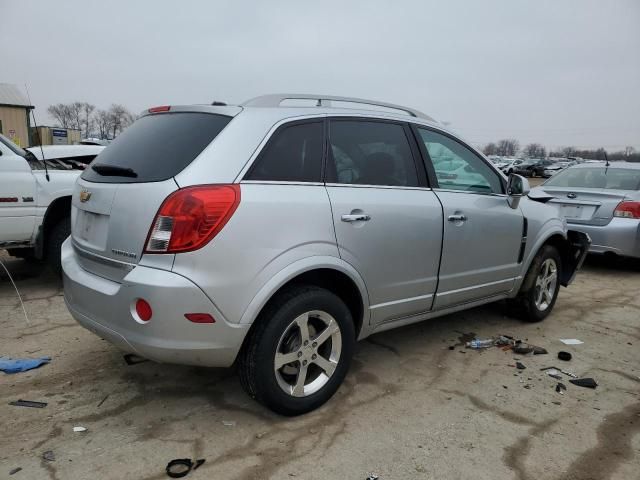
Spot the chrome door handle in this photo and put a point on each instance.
(457, 218)
(358, 217)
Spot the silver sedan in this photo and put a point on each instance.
(601, 200)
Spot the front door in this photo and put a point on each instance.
(482, 234)
(388, 223)
(17, 197)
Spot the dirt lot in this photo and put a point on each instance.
(411, 408)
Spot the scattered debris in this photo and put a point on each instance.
(79, 429)
(49, 456)
(477, 344)
(28, 403)
(15, 470)
(133, 359)
(539, 351)
(522, 349)
(229, 423)
(561, 388)
(180, 467)
(103, 400)
(372, 476)
(16, 365)
(571, 341)
(520, 366)
(585, 382)
(260, 435)
(554, 373)
(560, 370)
(565, 356)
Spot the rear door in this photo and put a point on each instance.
(17, 195)
(117, 197)
(388, 223)
(482, 234)
(590, 195)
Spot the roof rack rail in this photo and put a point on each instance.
(276, 99)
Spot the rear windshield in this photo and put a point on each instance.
(156, 147)
(597, 177)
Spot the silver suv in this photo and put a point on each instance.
(274, 234)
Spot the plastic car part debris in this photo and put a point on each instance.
(49, 456)
(16, 365)
(522, 349)
(559, 370)
(561, 388)
(565, 356)
(132, 359)
(28, 403)
(585, 382)
(180, 467)
(571, 341)
(477, 344)
(229, 423)
(539, 351)
(79, 429)
(15, 470)
(520, 366)
(372, 476)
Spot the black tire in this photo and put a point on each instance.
(524, 305)
(54, 241)
(256, 360)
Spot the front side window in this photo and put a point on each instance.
(294, 154)
(370, 153)
(457, 167)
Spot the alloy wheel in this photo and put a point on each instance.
(546, 284)
(308, 353)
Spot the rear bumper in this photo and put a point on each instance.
(107, 308)
(620, 236)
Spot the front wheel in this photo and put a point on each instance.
(540, 287)
(299, 352)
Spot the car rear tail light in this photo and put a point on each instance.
(189, 218)
(162, 108)
(627, 210)
(143, 309)
(199, 318)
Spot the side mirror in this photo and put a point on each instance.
(517, 187)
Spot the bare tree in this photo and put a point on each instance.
(490, 149)
(87, 118)
(61, 113)
(507, 147)
(535, 150)
(103, 123)
(121, 118)
(568, 152)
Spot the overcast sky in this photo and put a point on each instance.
(557, 72)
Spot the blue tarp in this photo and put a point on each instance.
(16, 365)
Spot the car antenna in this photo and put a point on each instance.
(606, 158)
(33, 114)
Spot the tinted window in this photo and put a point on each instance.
(597, 177)
(457, 167)
(158, 147)
(370, 153)
(294, 154)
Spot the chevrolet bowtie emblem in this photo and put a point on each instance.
(85, 195)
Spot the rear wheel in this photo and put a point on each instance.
(56, 238)
(300, 351)
(540, 287)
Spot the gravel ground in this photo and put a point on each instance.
(411, 407)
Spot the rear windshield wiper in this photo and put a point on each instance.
(113, 170)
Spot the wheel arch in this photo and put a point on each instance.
(56, 211)
(330, 273)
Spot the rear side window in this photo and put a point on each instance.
(597, 177)
(370, 153)
(157, 147)
(294, 154)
